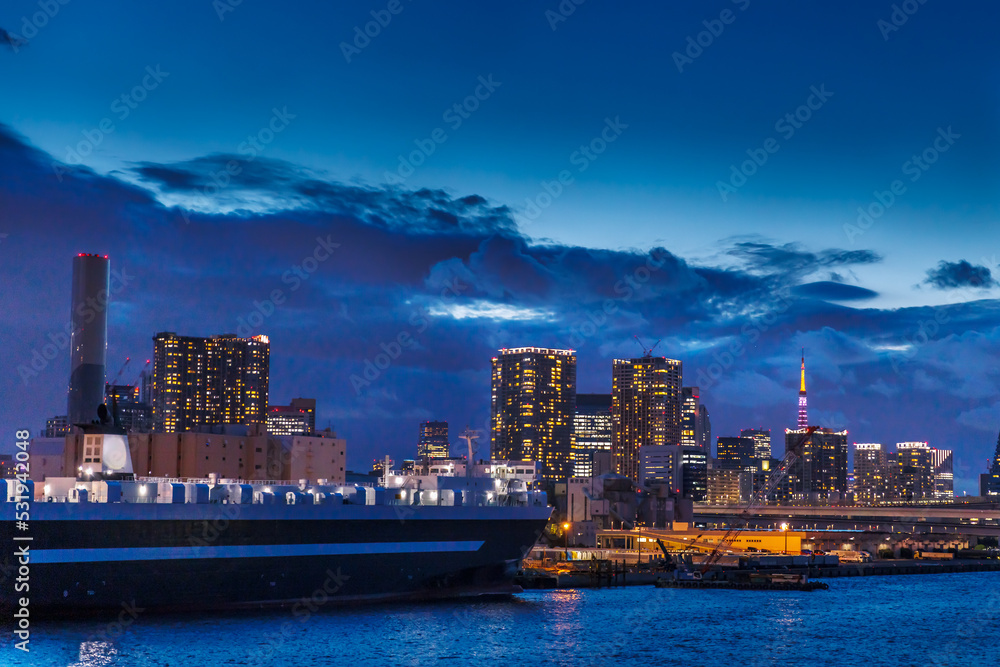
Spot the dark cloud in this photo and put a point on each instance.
(834, 291)
(792, 258)
(950, 275)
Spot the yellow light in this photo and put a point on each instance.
(565, 526)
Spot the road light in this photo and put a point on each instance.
(784, 529)
(566, 536)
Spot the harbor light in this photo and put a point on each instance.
(142, 490)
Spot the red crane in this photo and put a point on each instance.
(758, 498)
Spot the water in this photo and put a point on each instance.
(947, 619)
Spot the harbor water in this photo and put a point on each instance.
(942, 619)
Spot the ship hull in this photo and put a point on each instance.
(184, 557)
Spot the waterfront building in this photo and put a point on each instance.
(533, 404)
(229, 451)
(207, 381)
(819, 473)
(869, 473)
(88, 337)
(593, 431)
(432, 442)
(735, 453)
(296, 418)
(646, 408)
(761, 441)
(943, 463)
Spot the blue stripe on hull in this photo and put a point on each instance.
(48, 556)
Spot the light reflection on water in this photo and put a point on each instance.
(569, 627)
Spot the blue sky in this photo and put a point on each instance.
(641, 146)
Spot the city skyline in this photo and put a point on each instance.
(392, 227)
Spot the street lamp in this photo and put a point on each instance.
(784, 529)
(566, 536)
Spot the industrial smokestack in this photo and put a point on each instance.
(88, 346)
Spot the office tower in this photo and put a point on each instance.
(690, 421)
(803, 416)
(915, 471)
(869, 473)
(944, 474)
(819, 473)
(645, 410)
(761, 441)
(56, 427)
(683, 469)
(592, 426)
(533, 406)
(989, 483)
(206, 381)
(433, 440)
(128, 411)
(735, 453)
(704, 428)
(296, 418)
(89, 337)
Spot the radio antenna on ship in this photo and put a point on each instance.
(469, 435)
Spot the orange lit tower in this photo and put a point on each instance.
(803, 418)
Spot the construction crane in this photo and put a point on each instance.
(646, 352)
(121, 370)
(138, 376)
(758, 498)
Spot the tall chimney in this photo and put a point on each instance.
(89, 341)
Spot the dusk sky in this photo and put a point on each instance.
(739, 179)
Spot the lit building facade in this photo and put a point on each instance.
(645, 410)
(683, 469)
(761, 441)
(296, 418)
(943, 462)
(593, 429)
(432, 442)
(56, 427)
(989, 483)
(723, 487)
(207, 381)
(533, 404)
(914, 471)
(690, 421)
(735, 453)
(819, 473)
(870, 484)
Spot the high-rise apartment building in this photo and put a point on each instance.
(533, 406)
(735, 453)
(646, 408)
(761, 441)
(296, 418)
(944, 474)
(593, 429)
(207, 381)
(914, 471)
(432, 442)
(683, 469)
(819, 473)
(869, 473)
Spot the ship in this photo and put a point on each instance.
(108, 540)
